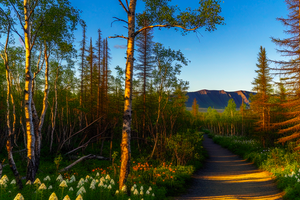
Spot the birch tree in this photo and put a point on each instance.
(163, 15)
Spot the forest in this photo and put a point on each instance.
(70, 129)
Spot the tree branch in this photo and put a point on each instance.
(121, 3)
(85, 144)
(90, 156)
(18, 14)
(118, 19)
(79, 131)
(119, 36)
(35, 35)
(164, 26)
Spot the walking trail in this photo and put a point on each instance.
(227, 176)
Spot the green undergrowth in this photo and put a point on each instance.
(148, 179)
(282, 162)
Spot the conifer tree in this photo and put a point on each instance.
(195, 108)
(82, 65)
(263, 87)
(145, 62)
(99, 64)
(290, 69)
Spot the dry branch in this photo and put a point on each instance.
(90, 156)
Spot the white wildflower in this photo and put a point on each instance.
(66, 197)
(50, 187)
(142, 188)
(150, 188)
(4, 178)
(73, 178)
(19, 197)
(71, 189)
(124, 188)
(60, 178)
(47, 178)
(63, 184)
(79, 197)
(132, 188)
(92, 186)
(107, 177)
(136, 192)
(102, 179)
(112, 181)
(80, 182)
(109, 187)
(81, 190)
(153, 194)
(100, 184)
(148, 192)
(53, 196)
(13, 181)
(37, 181)
(42, 187)
(97, 174)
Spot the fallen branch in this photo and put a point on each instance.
(90, 156)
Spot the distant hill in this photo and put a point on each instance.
(217, 99)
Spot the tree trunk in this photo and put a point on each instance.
(53, 119)
(28, 97)
(10, 132)
(126, 131)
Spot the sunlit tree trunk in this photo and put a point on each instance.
(126, 131)
(28, 97)
(45, 106)
(10, 131)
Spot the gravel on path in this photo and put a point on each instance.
(227, 176)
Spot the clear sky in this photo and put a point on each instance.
(221, 60)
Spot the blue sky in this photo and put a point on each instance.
(221, 60)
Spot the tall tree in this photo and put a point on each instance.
(160, 14)
(145, 62)
(263, 87)
(290, 69)
(99, 63)
(82, 65)
(195, 108)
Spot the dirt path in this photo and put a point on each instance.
(227, 176)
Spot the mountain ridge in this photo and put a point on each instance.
(218, 99)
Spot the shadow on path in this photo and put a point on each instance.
(227, 176)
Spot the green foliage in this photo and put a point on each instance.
(57, 161)
(163, 13)
(186, 146)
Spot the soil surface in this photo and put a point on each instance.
(227, 176)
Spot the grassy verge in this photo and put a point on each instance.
(94, 179)
(282, 163)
